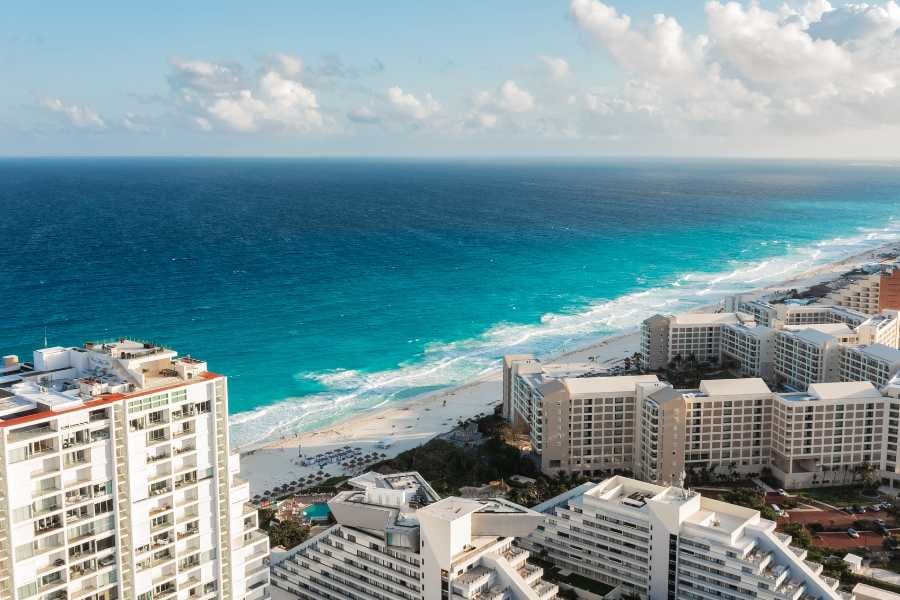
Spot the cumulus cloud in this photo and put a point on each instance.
(490, 109)
(410, 106)
(397, 107)
(220, 96)
(79, 117)
(558, 68)
(809, 66)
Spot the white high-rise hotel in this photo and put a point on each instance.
(117, 480)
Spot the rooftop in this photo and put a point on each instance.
(879, 351)
(592, 386)
(62, 379)
(832, 329)
(451, 509)
(734, 387)
(710, 319)
(411, 482)
(846, 389)
(809, 335)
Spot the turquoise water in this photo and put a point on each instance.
(327, 287)
(317, 512)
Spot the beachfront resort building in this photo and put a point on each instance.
(576, 420)
(830, 433)
(667, 337)
(724, 426)
(396, 539)
(669, 542)
(117, 480)
(788, 345)
(869, 293)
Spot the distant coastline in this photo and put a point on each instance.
(624, 339)
(412, 422)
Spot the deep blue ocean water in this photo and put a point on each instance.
(323, 287)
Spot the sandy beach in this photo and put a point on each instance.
(415, 421)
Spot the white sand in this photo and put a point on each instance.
(419, 419)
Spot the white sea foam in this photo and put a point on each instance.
(445, 364)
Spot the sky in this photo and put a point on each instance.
(574, 78)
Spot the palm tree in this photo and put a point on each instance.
(638, 359)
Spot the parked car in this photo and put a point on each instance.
(778, 510)
(781, 492)
(853, 533)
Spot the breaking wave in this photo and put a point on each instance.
(444, 364)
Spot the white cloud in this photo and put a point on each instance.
(221, 96)
(558, 68)
(508, 98)
(512, 98)
(80, 117)
(765, 49)
(410, 106)
(491, 109)
(133, 122)
(809, 68)
(398, 108)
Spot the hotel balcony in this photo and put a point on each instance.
(466, 584)
(32, 433)
(545, 590)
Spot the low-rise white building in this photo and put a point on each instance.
(805, 356)
(396, 539)
(825, 435)
(752, 347)
(699, 335)
(876, 363)
(668, 542)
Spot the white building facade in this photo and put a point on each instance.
(396, 539)
(667, 543)
(118, 480)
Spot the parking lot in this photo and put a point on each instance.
(836, 521)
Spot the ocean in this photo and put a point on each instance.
(326, 287)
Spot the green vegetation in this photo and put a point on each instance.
(687, 372)
(750, 498)
(332, 482)
(287, 533)
(583, 583)
(800, 536)
(840, 496)
(448, 466)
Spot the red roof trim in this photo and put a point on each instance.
(103, 400)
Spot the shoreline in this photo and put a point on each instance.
(416, 420)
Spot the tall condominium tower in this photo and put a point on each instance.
(117, 481)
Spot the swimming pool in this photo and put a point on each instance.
(317, 512)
